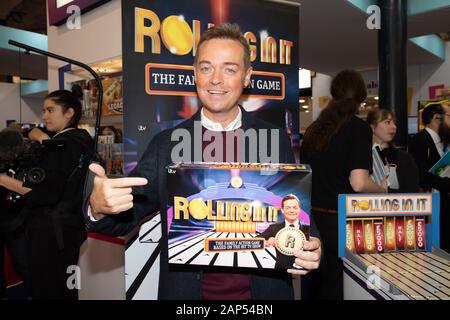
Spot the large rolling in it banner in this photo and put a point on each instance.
(159, 45)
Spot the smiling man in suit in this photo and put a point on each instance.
(222, 70)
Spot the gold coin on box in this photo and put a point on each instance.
(177, 35)
(198, 209)
(289, 240)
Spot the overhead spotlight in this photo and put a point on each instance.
(301, 100)
(307, 111)
(305, 106)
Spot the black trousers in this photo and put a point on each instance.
(51, 277)
(16, 243)
(327, 282)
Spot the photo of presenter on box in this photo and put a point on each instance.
(291, 209)
(222, 70)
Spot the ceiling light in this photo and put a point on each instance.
(301, 100)
(307, 111)
(305, 106)
(376, 98)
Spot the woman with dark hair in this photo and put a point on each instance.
(52, 210)
(112, 131)
(403, 174)
(338, 147)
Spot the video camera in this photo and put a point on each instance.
(22, 159)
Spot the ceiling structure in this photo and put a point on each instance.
(27, 15)
(333, 35)
(28, 66)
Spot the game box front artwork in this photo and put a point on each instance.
(237, 215)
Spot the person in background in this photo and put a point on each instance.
(403, 174)
(52, 204)
(338, 147)
(445, 128)
(112, 131)
(427, 148)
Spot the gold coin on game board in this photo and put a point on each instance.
(289, 240)
(177, 35)
(198, 209)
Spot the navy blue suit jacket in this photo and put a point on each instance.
(179, 282)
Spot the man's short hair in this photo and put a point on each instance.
(290, 197)
(229, 31)
(429, 111)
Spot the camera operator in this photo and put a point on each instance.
(12, 232)
(52, 203)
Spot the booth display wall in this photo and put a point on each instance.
(320, 89)
(9, 95)
(13, 107)
(99, 38)
(102, 270)
(305, 120)
(152, 104)
(422, 77)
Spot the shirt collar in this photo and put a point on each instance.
(295, 223)
(436, 140)
(62, 131)
(434, 136)
(215, 126)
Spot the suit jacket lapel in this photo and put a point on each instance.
(433, 155)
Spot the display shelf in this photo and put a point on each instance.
(111, 124)
(105, 120)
